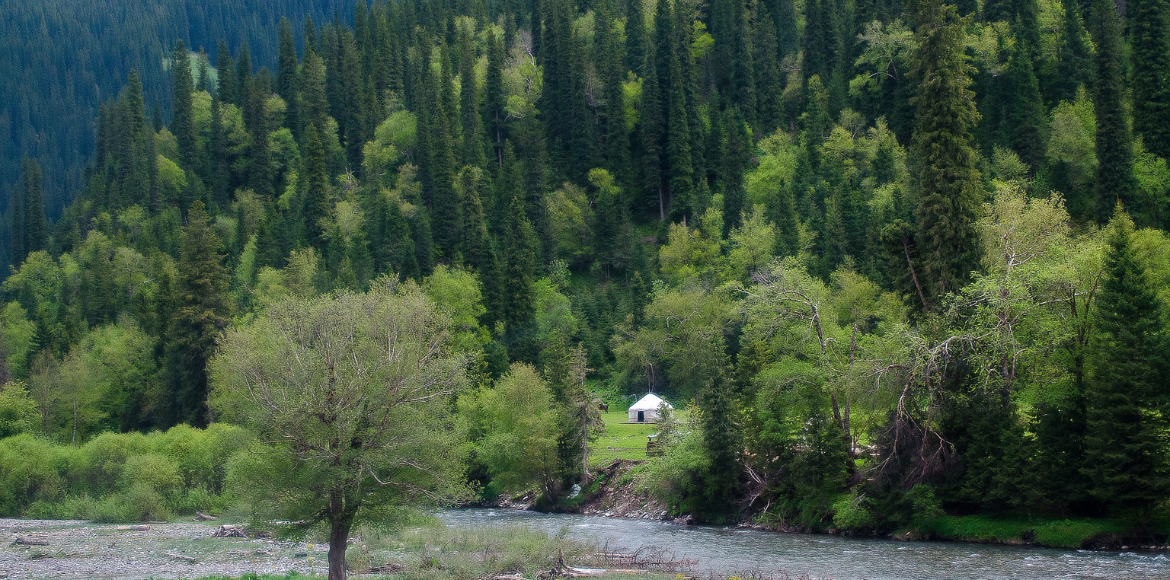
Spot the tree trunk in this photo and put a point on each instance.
(338, 540)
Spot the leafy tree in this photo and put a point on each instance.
(357, 426)
(512, 426)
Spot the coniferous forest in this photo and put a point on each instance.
(895, 259)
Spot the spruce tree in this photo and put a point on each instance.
(720, 443)
(182, 117)
(35, 229)
(493, 110)
(314, 104)
(16, 251)
(1150, 41)
(316, 207)
(1115, 179)
(286, 76)
(1025, 111)
(202, 308)
(736, 155)
(613, 109)
(225, 82)
(950, 189)
(1126, 457)
(469, 116)
(519, 261)
(1074, 66)
(650, 133)
(637, 50)
(472, 229)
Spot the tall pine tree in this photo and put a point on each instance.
(1150, 41)
(950, 190)
(1115, 179)
(1126, 457)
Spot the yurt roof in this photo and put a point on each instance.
(650, 402)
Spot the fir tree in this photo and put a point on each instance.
(316, 194)
(472, 230)
(200, 315)
(182, 119)
(720, 442)
(469, 115)
(1025, 113)
(226, 82)
(1125, 429)
(735, 159)
(636, 40)
(1150, 38)
(1074, 67)
(493, 111)
(519, 260)
(949, 184)
(314, 104)
(613, 108)
(35, 230)
(286, 76)
(1115, 179)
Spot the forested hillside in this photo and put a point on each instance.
(897, 259)
(60, 59)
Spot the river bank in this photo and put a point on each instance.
(614, 494)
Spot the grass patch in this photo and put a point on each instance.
(622, 439)
(437, 552)
(1062, 533)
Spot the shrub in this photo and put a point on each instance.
(152, 470)
(28, 473)
(852, 513)
(104, 457)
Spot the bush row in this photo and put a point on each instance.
(118, 477)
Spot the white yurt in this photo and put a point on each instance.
(647, 408)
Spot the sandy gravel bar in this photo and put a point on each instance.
(81, 549)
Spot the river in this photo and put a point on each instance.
(728, 550)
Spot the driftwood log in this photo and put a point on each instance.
(187, 559)
(134, 528)
(226, 531)
(202, 517)
(31, 541)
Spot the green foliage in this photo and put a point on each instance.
(513, 426)
(18, 411)
(119, 478)
(1125, 452)
(949, 180)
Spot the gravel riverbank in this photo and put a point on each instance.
(81, 549)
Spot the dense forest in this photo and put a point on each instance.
(896, 259)
(61, 59)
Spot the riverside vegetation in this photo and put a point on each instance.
(904, 265)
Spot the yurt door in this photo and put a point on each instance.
(641, 416)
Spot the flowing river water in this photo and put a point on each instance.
(728, 550)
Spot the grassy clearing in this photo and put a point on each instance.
(1064, 533)
(622, 440)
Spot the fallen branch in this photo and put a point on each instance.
(202, 517)
(134, 528)
(30, 541)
